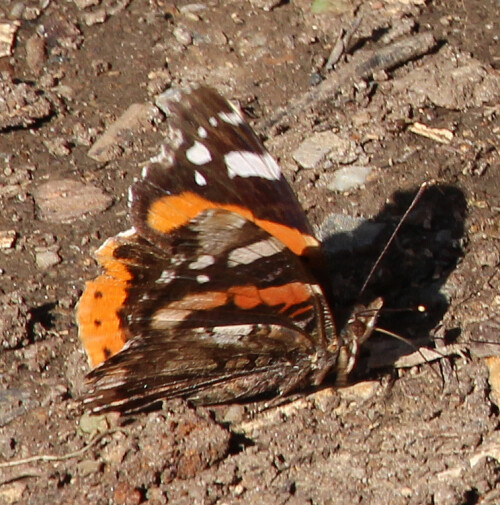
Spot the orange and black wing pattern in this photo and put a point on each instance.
(209, 296)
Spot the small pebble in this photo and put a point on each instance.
(7, 239)
(195, 7)
(360, 391)
(82, 135)
(57, 146)
(234, 414)
(113, 454)
(94, 18)
(125, 493)
(35, 53)
(100, 66)
(183, 36)
(47, 259)
(93, 424)
(85, 4)
(12, 492)
(159, 81)
(63, 201)
(346, 178)
(31, 13)
(17, 10)
(320, 146)
(88, 467)
(265, 5)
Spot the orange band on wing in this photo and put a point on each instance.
(248, 297)
(301, 310)
(171, 212)
(290, 294)
(100, 328)
(114, 268)
(244, 297)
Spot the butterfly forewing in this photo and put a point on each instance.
(218, 162)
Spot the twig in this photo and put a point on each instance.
(343, 44)
(391, 56)
(396, 54)
(50, 457)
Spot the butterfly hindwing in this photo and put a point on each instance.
(205, 317)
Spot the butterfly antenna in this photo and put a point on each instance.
(415, 348)
(416, 198)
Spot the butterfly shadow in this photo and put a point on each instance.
(412, 272)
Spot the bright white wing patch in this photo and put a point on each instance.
(198, 154)
(199, 178)
(253, 252)
(248, 164)
(203, 261)
(233, 118)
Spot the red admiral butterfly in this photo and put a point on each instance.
(216, 293)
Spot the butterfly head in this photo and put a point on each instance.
(357, 330)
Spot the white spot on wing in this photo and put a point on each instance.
(198, 154)
(233, 118)
(316, 289)
(199, 178)
(202, 133)
(164, 319)
(213, 121)
(203, 261)
(228, 334)
(201, 279)
(177, 260)
(248, 164)
(250, 253)
(235, 329)
(127, 233)
(166, 277)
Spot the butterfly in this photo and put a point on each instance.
(217, 292)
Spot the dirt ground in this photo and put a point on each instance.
(79, 80)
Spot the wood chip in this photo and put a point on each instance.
(8, 31)
(441, 135)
